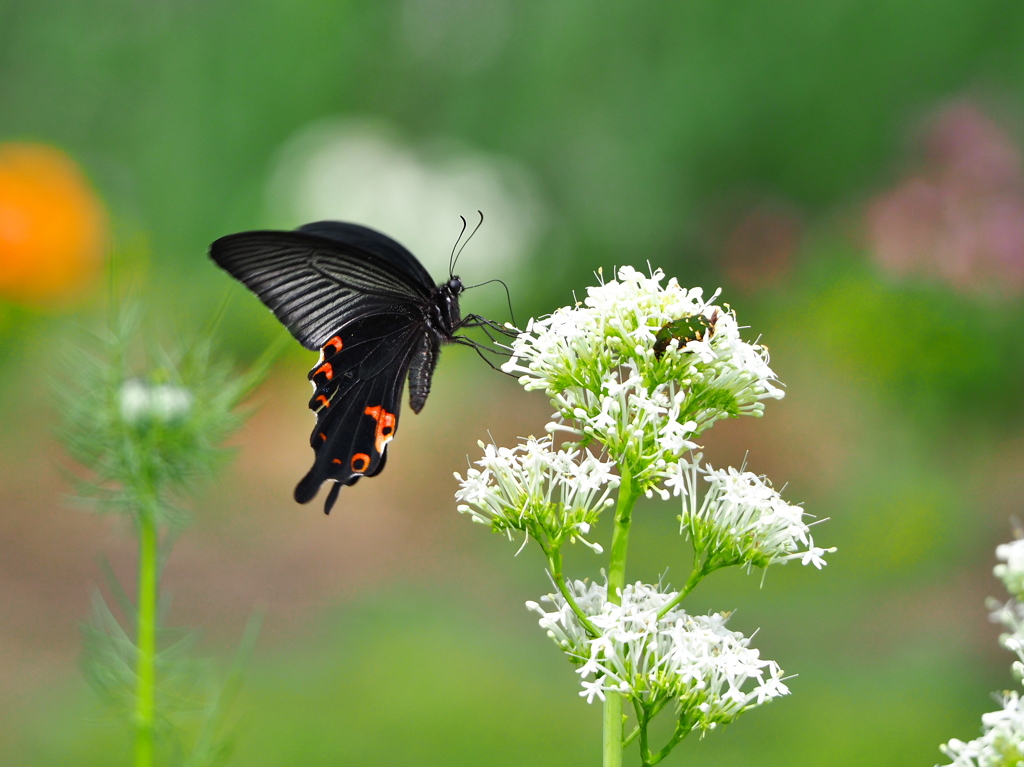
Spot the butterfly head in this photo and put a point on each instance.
(446, 313)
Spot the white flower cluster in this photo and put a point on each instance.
(710, 672)
(1011, 570)
(557, 494)
(1002, 740)
(742, 519)
(614, 365)
(141, 402)
(1011, 615)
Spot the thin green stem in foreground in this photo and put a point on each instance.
(612, 744)
(145, 640)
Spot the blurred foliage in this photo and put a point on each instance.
(652, 129)
(639, 120)
(939, 356)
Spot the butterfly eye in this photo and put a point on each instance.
(455, 285)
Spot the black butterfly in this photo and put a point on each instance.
(372, 310)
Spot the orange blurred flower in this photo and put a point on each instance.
(53, 229)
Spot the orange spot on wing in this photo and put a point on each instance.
(334, 343)
(326, 369)
(323, 436)
(360, 461)
(385, 426)
(323, 399)
(336, 460)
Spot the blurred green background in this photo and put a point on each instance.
(848, 171)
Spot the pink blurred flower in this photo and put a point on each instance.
(959, 218)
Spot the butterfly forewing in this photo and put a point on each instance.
(370, 241)
(316, 285)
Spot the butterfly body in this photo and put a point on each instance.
(376, 317)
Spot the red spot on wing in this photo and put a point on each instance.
(323, 399)
(335, 343)
(385, 426)
(323, 436)
(326, 369)
(336, 460)
(359, 462)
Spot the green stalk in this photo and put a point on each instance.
(612, 730)
(554, 555)
(620, 536)
(700, 570)
(612, 741)
(145, 640)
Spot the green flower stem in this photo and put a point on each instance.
(628, 495)
(555, 565)
(700, 570)
(612, 730)
(682, 730)
(620, 535)
(644, 719)
(145, 640)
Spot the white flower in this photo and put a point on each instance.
(1011, 571)
(710, 672)
(1001, 743)
(598, 363)
(739, 518)
(1002, 740)
(554, 494)
(1011, 615)
(141, 402)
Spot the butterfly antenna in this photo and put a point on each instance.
(452, 259)
(451, 268)
(508, 295)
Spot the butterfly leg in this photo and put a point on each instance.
(476, 321)
(503, 334)
(464, 341)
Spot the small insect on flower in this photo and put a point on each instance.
(690, 327)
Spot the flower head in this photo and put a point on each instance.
(145, 435)
(142, 402)
(738, 518)
(1011, 570)
(642, 368)
(554, 495)
(709, 672)
(1001, 743)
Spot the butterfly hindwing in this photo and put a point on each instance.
(358, 387)
(316, 284)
